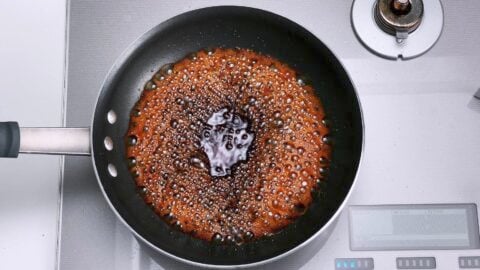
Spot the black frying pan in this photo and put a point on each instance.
(168, 42)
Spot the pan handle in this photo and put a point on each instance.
(53, 141)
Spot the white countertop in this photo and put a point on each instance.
(32, 48)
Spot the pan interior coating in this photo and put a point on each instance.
(228, 144)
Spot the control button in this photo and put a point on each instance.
(354, 263)
(469, 262)
(416, 263)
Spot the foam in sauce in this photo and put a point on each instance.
(225, 140)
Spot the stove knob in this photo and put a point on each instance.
(401, 7)
(399, 17)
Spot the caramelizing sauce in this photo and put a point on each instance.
(228, 145)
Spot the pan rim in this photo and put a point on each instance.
(124, 56)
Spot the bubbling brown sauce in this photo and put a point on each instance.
(228, 145)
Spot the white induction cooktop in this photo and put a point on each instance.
(422, 147)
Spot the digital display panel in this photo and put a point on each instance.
(414, 227)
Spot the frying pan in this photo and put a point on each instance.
(224, 26)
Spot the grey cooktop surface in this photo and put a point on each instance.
(422, 143)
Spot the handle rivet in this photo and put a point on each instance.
(111, 117)
(108, 143)
(112, 170)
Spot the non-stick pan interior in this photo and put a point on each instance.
(226, 27)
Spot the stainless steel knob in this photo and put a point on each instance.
(399, 17)
(401, 6)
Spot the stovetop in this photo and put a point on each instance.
(422, 125)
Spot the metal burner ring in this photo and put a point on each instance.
(397, 46)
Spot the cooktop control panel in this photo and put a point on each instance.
(464, 262)
(354, 263)
(418, 227)
(416, 263)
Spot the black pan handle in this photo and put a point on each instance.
(9, 139)
(53, 141)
